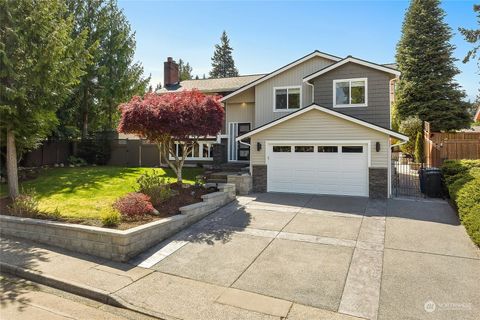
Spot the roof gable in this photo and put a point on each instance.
(351, 59)
(316, 53)
(330, 112)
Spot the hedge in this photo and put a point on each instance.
(463, 181)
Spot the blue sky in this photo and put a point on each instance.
(266, 35)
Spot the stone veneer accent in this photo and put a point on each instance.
(117, 245)
(219, 152)
(259, 174)
(378, 183)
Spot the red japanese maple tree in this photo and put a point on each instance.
(184, 118)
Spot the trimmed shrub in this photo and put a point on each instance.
(134, 205)
(463, 182)
(451, 168)
(111, 217)
(155, 186)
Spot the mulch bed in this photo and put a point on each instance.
(184, 195)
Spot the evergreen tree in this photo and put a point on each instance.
(425, 57)
(184, 70)
(112, 77)
(419, 148)
(196, 77)
(472, 36)
(40, 62)
(223, 65)
(204, 77)
(89, 16)
(119, 77)
(158, 86)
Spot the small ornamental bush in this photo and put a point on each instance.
(111, 217)
(155, 186)
(26, 204)
(134, 205)
(76, 161)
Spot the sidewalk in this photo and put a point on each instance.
(147, 291)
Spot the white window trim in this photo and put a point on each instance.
(335, 105)
(275, 97)
(200, 150)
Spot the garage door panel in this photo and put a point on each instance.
(318, 172)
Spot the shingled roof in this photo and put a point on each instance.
(217, 85)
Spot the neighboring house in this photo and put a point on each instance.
(476, 117)
(318, 125)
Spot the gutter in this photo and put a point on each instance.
(398, 144)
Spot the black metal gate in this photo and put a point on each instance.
(405, 177)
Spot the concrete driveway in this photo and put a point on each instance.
(332, 257)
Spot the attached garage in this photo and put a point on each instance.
(318, 150)
(326, 168)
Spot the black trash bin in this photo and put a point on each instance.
(433, 183)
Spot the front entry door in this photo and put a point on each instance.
(238, 151)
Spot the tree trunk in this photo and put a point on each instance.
(12, 172)
(85, 124)
(179, 176)
(85, 113)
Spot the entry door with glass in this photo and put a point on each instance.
(238, 151)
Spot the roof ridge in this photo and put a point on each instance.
(240, 76)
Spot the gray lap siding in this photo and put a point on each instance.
(378, 109)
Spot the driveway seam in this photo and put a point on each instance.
(268, 245)
(433, 253)
(351, 259)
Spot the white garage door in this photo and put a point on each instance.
(318, 168)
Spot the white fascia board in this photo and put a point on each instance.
(328, 111)
(285, 68)
(353, 60)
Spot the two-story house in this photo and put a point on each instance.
(320, 124)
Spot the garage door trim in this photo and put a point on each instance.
(367, 143)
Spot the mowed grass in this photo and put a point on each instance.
(81, 193)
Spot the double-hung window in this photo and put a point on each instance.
(287, 98)
(350, 93)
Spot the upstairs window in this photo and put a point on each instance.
(288, 98)
(350, 92)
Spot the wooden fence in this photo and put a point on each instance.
(441, 146)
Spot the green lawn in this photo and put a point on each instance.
(83, 192)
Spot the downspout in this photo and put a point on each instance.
(313, 90)
(250, 161)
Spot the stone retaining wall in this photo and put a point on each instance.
(242, 182)
(117, 245)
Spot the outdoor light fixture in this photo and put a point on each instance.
(377, 146)
(259, 146)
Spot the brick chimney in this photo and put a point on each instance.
(170, 72)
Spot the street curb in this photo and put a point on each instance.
(76, 288)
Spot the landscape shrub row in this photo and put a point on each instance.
(463, 182)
